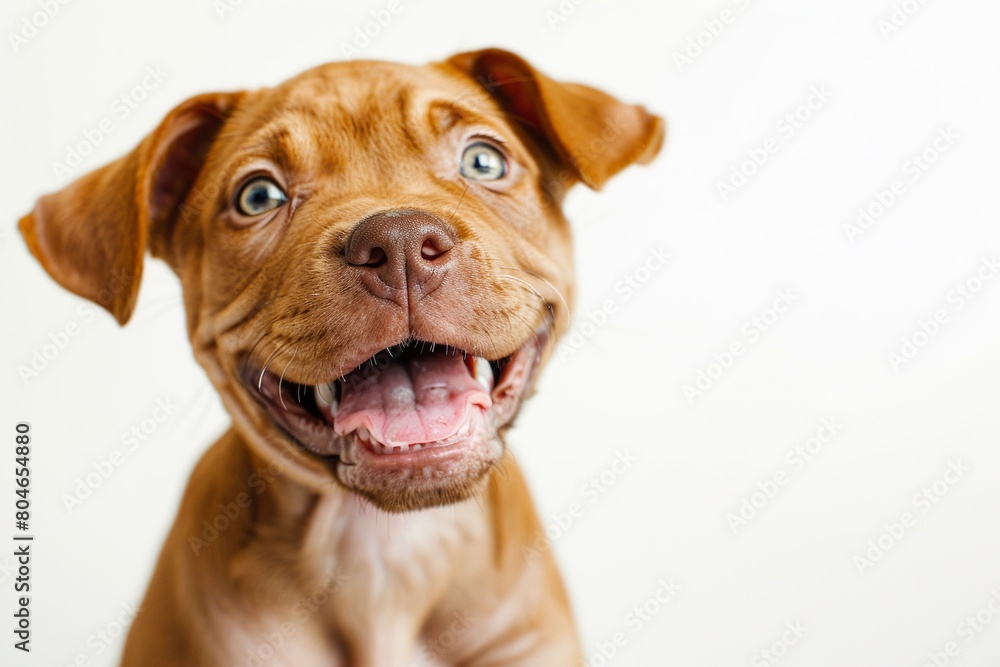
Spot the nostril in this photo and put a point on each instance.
(431, 250)
(376, 258)
(435, 242)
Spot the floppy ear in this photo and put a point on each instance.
(91, 235)
(592, 133)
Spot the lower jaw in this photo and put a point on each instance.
(471, 440)
(441, 472)
(435, 475)
(421, 454)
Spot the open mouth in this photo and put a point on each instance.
(407, 405)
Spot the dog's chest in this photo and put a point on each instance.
(398, 579)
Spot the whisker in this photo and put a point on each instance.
(460, 200)
(544, 280)
(263, 370)
(246, 361)
(534, 290)
(281, 378)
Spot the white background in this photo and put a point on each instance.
(665, 517)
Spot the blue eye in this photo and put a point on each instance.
(482, 162)
(258, 196)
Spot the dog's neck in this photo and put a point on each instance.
(380, 576)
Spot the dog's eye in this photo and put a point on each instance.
(259, 196)
(482, 162)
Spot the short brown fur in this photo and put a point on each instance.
(328, 564)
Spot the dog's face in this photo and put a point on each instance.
(373, 256)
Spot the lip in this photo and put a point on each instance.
(293, 409)
(429, 457)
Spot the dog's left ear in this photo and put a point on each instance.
(594, 135)
(91, 235)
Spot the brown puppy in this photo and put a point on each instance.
(374, 265)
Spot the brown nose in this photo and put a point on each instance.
(401, 249)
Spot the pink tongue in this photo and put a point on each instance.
(420, 399)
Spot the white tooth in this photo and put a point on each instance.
(416, 448)
(363, 434)
(484, 373)
(326, 398)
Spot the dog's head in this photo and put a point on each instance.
(373, 256)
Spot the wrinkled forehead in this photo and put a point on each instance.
(334, 113)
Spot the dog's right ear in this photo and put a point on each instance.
(91, 235)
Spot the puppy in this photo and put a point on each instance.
(374, 266)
